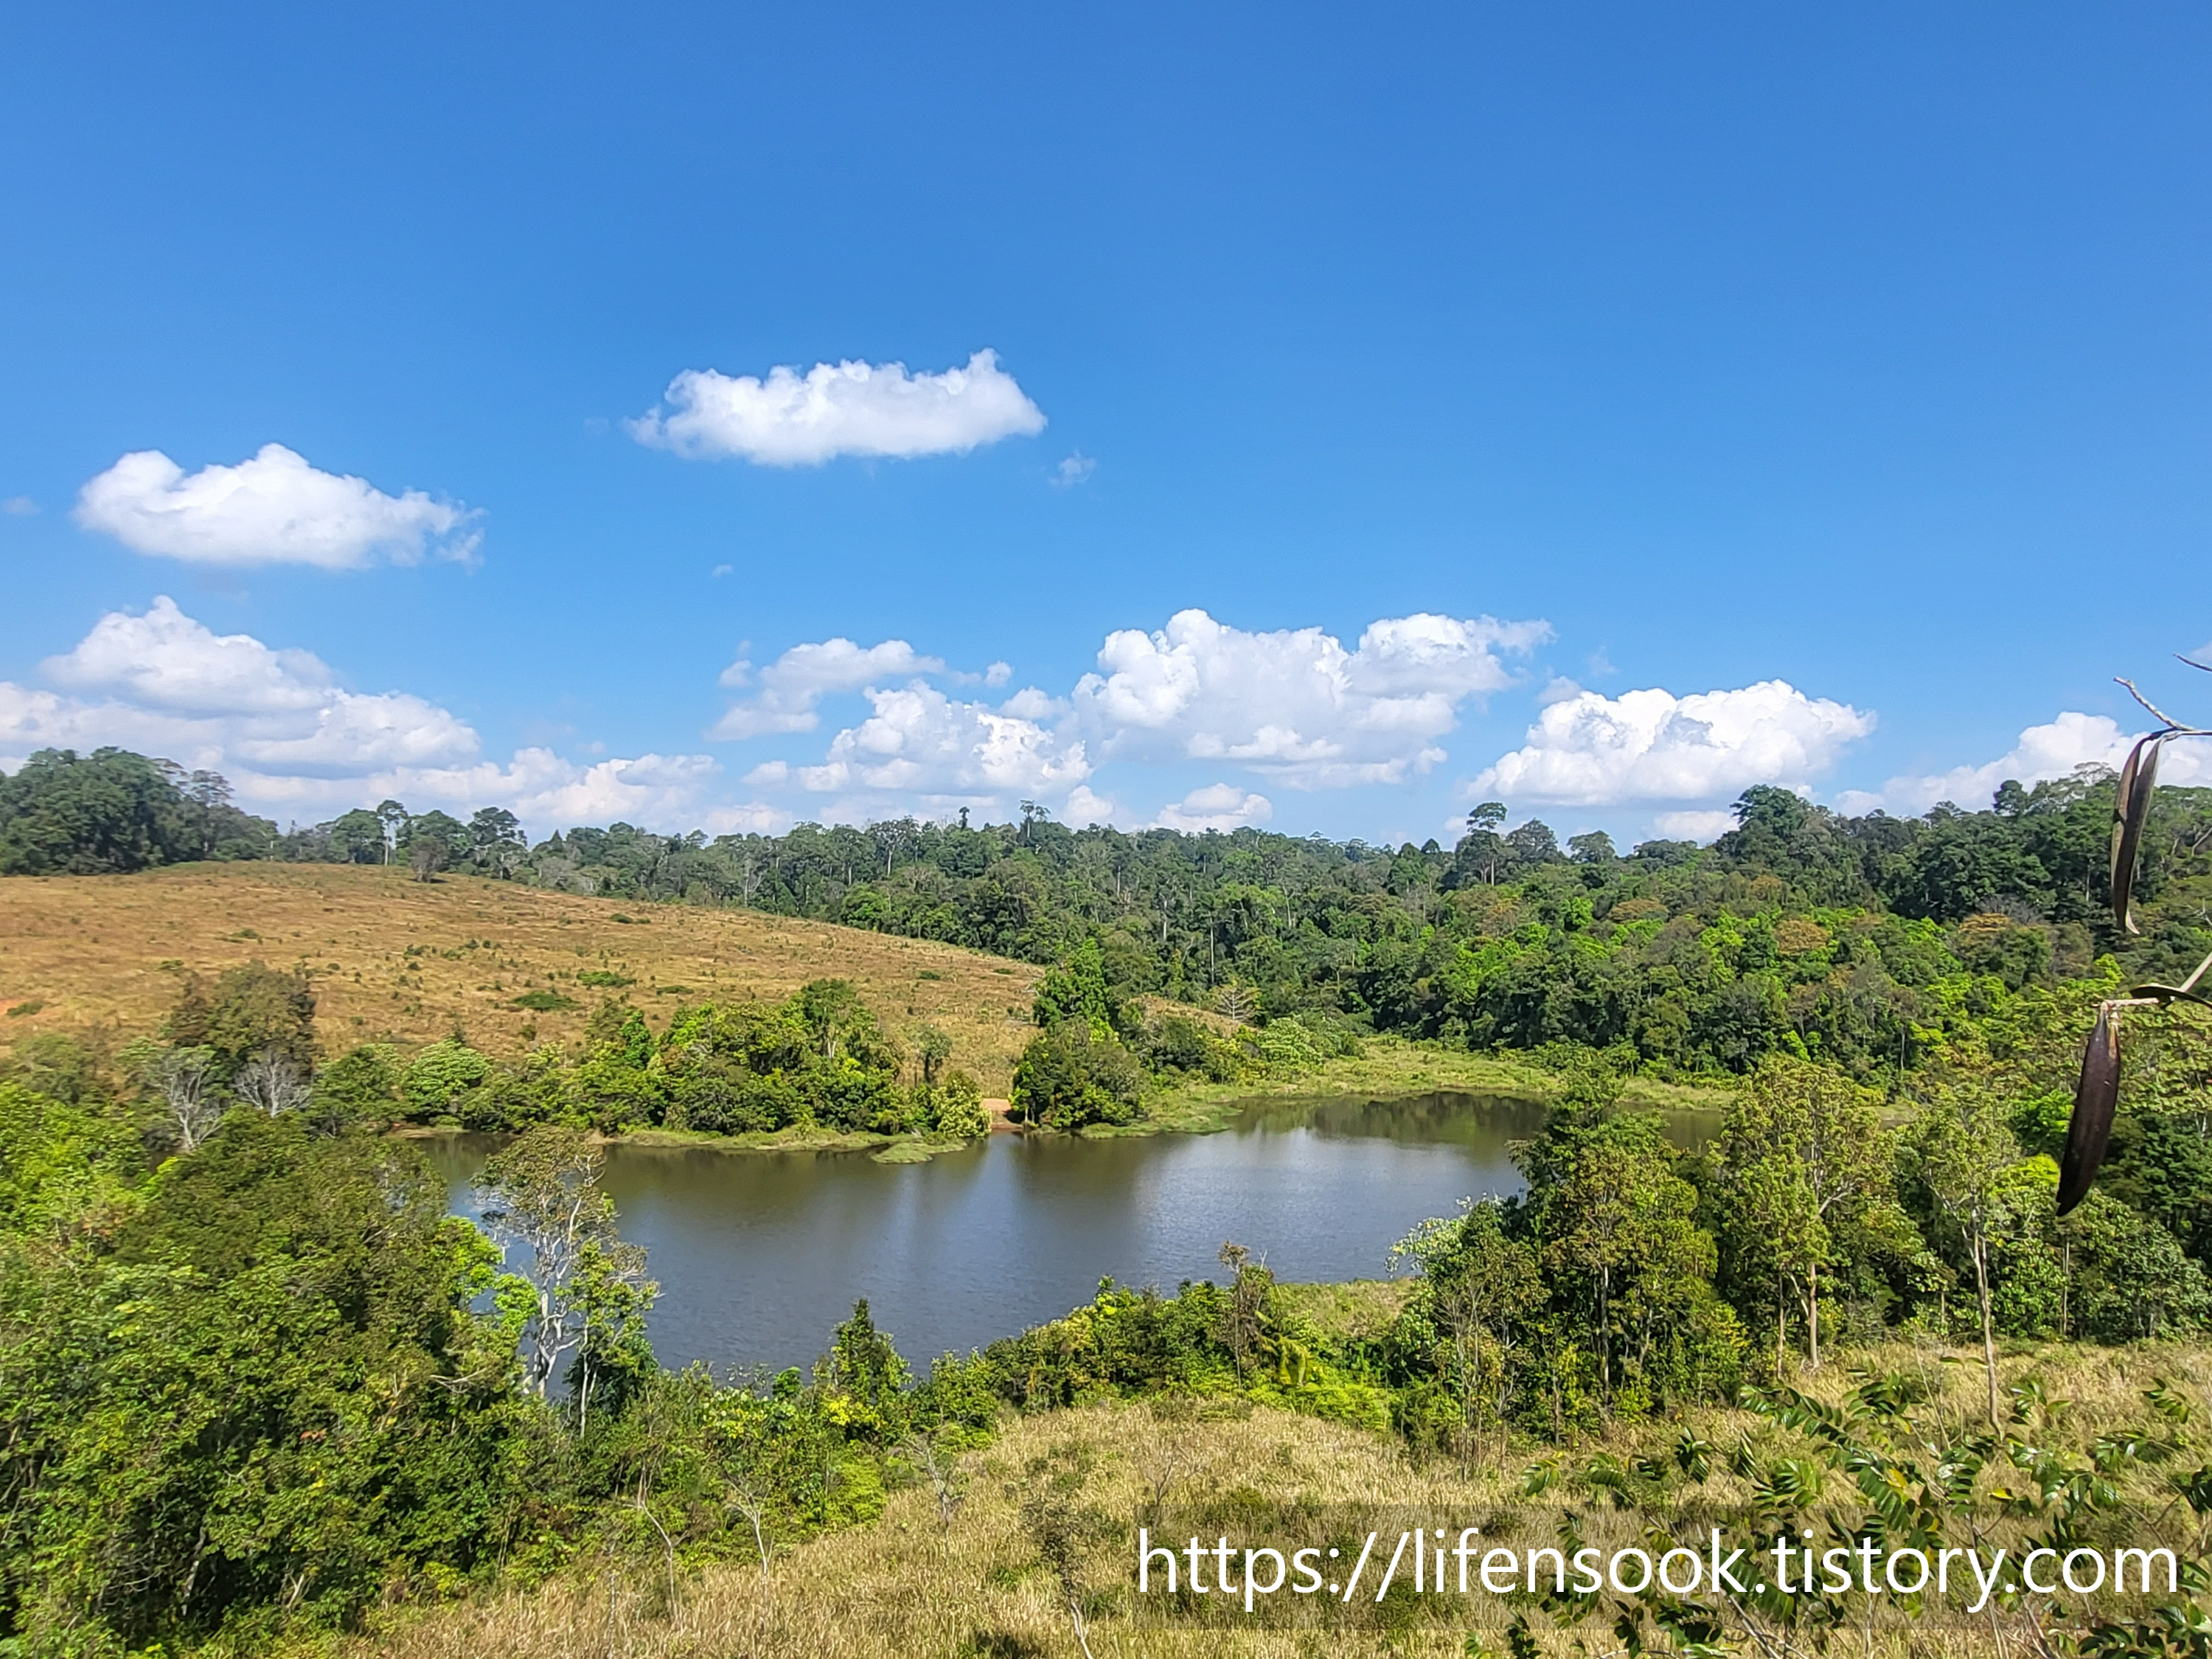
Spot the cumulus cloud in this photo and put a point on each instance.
(1594, 750)
(1694, 825)
(792, 685)
(1073, 469)
(295, 743)
(1294, 704)
(2042, 752)
(1217, 806)
(845, 409)
(165, 659)
(272, 509)
(920, 742)
(1086, 806)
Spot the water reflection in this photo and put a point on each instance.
(759, 1255)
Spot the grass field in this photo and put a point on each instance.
(399, 960)
(913, 1586)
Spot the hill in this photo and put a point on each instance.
(403, 961)
(965, 1575)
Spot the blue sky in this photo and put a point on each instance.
(1670, 401)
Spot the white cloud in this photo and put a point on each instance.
(920, 743)
(296, 743)
(164, 659)
(1694, 826)
(2042, 752)
(1594, 750)
(1217, 806)
(849, 409)
(791, 685)
(1074, 469)
(998, 674)
(1294, 704)
(272, 509)
(1086, 806)
(19, 507)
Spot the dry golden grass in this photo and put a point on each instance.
(908, 1587)
(104, 948)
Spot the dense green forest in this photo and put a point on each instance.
(254, 1381)
(1866, 942)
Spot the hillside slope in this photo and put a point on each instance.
(398, 960)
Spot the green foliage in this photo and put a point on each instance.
(957, 1112)
(440, 1077)
(544, 1002)
(361, 1086)
(2130, 1277)
(222, 1406)
(111, 811)
(1068, 1078)
(250, 1009)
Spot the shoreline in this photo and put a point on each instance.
(1391, 1069)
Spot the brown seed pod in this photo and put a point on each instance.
(2095, 1096)
(2130, 811)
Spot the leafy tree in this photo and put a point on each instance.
(250, 1009)
(1595, 847)
(358, 837)
(97, 814)
(1962, 1151)
(2130, 1277)
(434, 842)
(1804, 1161)
(959, 1113)
(1067, 1079)
(496, 844)
(439, 1079)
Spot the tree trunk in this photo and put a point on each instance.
(1813, 1316)
(1989, 1329)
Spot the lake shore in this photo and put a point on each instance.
(1389, 1068)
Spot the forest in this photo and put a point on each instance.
(1868, 943)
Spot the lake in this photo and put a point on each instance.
(758, 1254)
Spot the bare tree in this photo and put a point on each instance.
(544, 1193)
(947, 1483)
(184, 1079)
(1061, 1526)
(273, 1083)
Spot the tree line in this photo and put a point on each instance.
(1869, 942)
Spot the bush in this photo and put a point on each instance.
(1177, 1045)
(1068, 1078)
(438, 1078)
(959, 1113)
(359, 1087)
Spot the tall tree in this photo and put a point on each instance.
(1801, 1152)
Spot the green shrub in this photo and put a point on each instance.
(439, 1077)
(959, 1113)
(1068, 1078)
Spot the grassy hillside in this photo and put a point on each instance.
(911, 1586)
(404, 961)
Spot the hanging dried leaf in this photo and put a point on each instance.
(2130, 811)
(2095, 1096)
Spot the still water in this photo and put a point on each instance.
(758, 1254)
